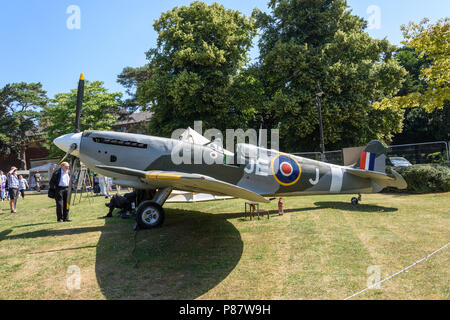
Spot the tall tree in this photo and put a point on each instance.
(20, 104)
(309, 42)
(420, 125)
(193, 73)
(100, 111)
(130, 78)
(430, 41)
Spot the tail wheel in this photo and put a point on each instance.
(149, 215)
(354, 200)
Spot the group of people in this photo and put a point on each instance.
(12, 185)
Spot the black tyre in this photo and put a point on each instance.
(354, 200)
(149, 215)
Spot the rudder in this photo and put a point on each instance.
(373, 158)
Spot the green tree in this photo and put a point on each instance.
(20, 104)
(309, 42)
(100, 111)
(193, 73)
(130, 78)
(410, 60)
(420, 125)
(430, 41)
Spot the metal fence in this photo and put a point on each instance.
(420, 153)
(416, 153)
(335, 157)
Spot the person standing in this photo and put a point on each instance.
(3, 185)
(95, 183)
(13, 188)
(6, 189)
(102, 184)
(60, 183)
(23, 185)
(32, 182)
(108, 187)
(37, 177)
(117, 189)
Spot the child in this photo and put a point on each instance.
(23, 185)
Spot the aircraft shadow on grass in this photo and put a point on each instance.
(192, 254)
(345, 206)
(320, 205)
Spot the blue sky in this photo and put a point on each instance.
(37, 46)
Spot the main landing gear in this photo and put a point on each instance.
(356, 200)
(150, 213)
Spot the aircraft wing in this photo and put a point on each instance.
(381, 178)
(188, 182)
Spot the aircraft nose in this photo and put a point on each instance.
(67, 141)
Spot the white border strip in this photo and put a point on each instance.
(336, 179)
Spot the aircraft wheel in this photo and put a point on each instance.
(354, 200)
(149, 215)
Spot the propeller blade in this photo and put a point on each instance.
(73, 146)
(63, 158)
(80, 94)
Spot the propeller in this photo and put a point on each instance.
(74, 146)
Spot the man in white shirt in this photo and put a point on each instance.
(60, 182)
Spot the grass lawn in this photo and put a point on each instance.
(320, 249)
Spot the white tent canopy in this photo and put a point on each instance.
(44, 167)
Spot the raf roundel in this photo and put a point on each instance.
(286, 170)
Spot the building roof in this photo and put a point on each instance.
(135, 118)
(39, 130)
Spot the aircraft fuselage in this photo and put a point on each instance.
(265, 172)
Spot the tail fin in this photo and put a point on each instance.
(373, 158)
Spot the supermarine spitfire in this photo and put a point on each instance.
(255, 174)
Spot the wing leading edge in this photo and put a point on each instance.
(188, 182)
